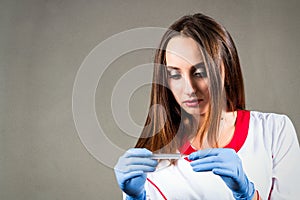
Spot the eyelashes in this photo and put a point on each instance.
(198, 73)
(174, 74)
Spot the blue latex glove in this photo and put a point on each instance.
(227, 164)
(131, 171)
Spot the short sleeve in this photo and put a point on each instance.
(286, 160)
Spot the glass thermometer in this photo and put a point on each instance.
(168, 156)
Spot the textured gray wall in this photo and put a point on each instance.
(42, 45)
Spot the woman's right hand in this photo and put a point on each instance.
(131, 171)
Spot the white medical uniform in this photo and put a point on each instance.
(268, 147)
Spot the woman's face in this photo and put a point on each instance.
(187, 76)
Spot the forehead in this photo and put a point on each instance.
(183, 51)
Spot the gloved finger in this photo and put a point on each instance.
(141, 161)
(224, 172)
(132, 168)
(204, 153)
(204, 160)
(218, 161)
(130, 175)
(205, 167)
(137, 152)
(124, 163)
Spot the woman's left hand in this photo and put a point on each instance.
(227, 164)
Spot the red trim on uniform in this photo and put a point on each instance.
(239, 135)
(163, 196)
(187, 149)
(241, 130)
(272, 187)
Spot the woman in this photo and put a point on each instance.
(232, 153)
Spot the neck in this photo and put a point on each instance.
(226, 131)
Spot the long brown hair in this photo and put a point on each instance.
(167, 129)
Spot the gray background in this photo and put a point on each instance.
(42, 45)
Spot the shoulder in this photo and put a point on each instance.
(266, 115)
(271, 120)
(277, 127)
(272, 126)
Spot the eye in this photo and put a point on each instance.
(200, 73)
(174, 74)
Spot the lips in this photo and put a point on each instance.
(193, 102)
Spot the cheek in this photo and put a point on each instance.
(202, 86)
(176, 88)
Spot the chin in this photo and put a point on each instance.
(195, 111)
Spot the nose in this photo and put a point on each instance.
(190, 88)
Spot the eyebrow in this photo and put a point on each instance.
(197, 66)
